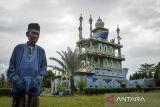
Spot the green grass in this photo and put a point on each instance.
(152, 100)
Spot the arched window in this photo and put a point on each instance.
(105, 49)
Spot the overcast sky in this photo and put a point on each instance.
(139, 22)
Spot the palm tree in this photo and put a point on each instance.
(69, 63)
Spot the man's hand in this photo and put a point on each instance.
(38, 78)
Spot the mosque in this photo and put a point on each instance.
(101, 63)
(102, 58)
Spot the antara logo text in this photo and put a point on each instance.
(112, 99)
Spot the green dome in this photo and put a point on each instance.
(99, 23)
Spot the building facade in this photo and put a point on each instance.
(141, 83)
(102, 59)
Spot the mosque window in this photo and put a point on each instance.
(105, 49)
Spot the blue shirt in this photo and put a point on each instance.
(29, 62)
(26, 68)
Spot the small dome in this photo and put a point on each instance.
(99, 23)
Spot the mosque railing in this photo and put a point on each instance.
(122, 57)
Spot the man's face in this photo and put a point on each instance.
(33, 36)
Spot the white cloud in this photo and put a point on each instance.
(138, 21)
(3, 68)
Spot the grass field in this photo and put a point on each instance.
(151, 100)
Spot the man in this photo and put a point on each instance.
(26, 68)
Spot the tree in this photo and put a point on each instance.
(69, 63)
(157, 74)
(3, 81)
(145, 71)
(134, 76)
(46, 82)
(130, 77)
(81, 83)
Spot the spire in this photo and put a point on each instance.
(90, 22)
(118, 37)
(80, 27)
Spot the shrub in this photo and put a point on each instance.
(5, 91)
(104, 90)
(123, 85)
(89, 91)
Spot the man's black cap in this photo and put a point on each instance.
(33, 26)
